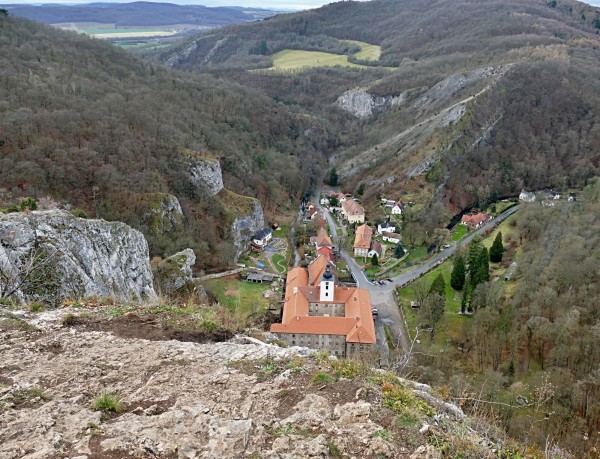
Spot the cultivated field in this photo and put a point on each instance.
(367, 52)
(126, 33)
(291, 59)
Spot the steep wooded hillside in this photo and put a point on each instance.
(94, 128)
(487, 97)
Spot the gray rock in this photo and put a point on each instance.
(205, 173)
(244, 227)
(163, 215)
(174, 274)
(50, 256)
(364, 105)
(426, 452)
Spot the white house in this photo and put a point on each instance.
(386, 227)
(324, 201)
(262, 237)
(394, 238)
(398, 208)
(548, 203)
(376, 249)
(527, 196)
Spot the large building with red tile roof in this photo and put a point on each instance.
(320, 314)
(362, 240)
(353, 211)
(327, 252)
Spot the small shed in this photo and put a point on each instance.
(259, 278)
(510, 271)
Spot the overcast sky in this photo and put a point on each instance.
(271, 4)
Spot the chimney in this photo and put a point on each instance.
(295, 290)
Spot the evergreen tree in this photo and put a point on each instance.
(375, 260)
(473, 255)
(361, 189)
(482, 273)
(459, 272)
(438, 286)
(464, 300)
(333, 177)
(497, 249)
(399, 251)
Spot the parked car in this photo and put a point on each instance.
(374, 311)
(389, 280)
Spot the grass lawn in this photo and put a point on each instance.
(415, 254)
(371, 270)
(451, 324)
(367, 52)
(239, 297)
(279, 232)
(126, 32)
(506, 229)
(292, 59)
(281, 262)
(459, 232)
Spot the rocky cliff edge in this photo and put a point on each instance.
(235, 399)
(51, 256)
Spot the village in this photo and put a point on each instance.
(317, 276)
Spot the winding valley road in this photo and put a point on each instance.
(382, 296)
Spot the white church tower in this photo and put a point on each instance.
(327, 287)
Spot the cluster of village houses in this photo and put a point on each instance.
(319, 311)
(322, 313)
(547, 197)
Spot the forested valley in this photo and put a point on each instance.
(526, 356)
(533, 125)
(96, 129)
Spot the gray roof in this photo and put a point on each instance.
(262, 233)
(263, 277)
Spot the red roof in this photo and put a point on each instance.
(474, 219)
(362, 240)
(327, 252)
(353, 208)
(357, 325)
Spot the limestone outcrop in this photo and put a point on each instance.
(363, 105)
(51, 256)
(243, 227)
(235, 399)
(163, 215)
(205, 172)
(174, 274)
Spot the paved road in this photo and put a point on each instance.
(382, 296)
(417, 271)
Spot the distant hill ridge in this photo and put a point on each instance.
(137, 14)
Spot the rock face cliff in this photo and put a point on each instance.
(205, 173)
(164, 214)
(244, 227)
(174, 274)
(363, 105)
(51, 256)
